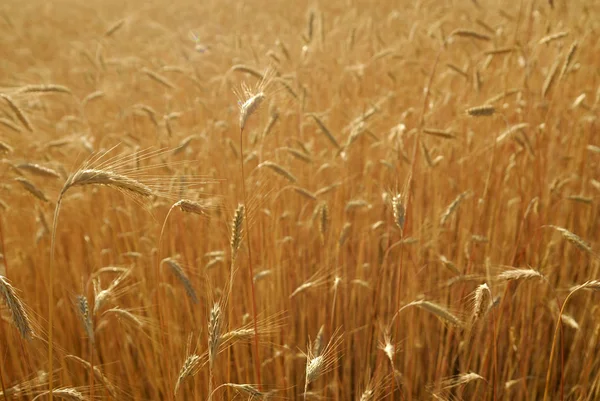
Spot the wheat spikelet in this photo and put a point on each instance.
(438, 310)
(317, 345)
(457, 70)
(247, 389)
(520, 274)
(49, 88)
(466, 33)
(459, 380)
(279, 170)
(327, 189)
(344, 233)
(5, 147)
(39, 170)
(182, 277)
(398, 211)
(326, 131)
(317, 366)
(32, 189)
(482, 298)
(248, 70)
(86, 318)
(511, 130)
(114, 28)
(574, 239)
(323, 215)
(305, 193)
(550, 78)
(552, 37)
(158, 78)
(499, 51)
(108, 178)
(127, 315)
(439, 133)
(190, 206)
(65, 393)
(112, 390)
(299, 155)
(451, 208)
(9, 124)
(480, 111)
(18, 112)
(190, 368)
(16, 308)
(568, 60)
(214, 333)
(237, 230)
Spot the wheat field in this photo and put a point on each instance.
(309, 200)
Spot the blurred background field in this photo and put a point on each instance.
(421, 198)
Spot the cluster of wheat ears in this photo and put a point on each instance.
(345, 200)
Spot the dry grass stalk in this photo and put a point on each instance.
(182, 277)
(499, 51)
(16, 308)
(39, 170)
(480, 111)
(279, 170)
(344, 233)
(32, 189)
(18, 112)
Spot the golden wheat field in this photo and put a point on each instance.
(308, 200)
